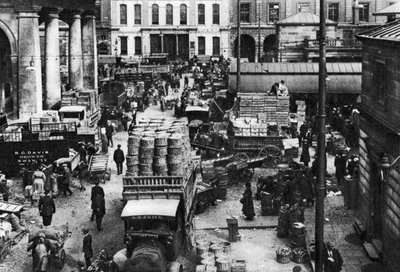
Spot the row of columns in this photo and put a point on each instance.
(82, 61)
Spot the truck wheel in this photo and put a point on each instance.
(175, 267)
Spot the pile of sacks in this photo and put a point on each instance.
(55, 235)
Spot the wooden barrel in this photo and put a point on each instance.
(160, 151)
(298, 240)
(161, 174)
(161, 140)
(146, 160)
(174, 159)
(221, 255)
(132, 168)
(298, 228)
(216, 248)
(145, 152)
(174, 150)
(267, 207)
(159, 159)
(134, 140)
(226, 246)
(147, 142)
(133, 150)
(207, 255)
(160, 168)
(133, 174)
(216, 241)
(223, 264)
(174, 167)
(201, 249)
(145, 167)
(208, 262)
(146, 174)
(175, 140)
(132, 160)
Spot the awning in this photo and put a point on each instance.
(150, 207)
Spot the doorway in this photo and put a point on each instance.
(247, 47)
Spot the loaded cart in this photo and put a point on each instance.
(98, 167)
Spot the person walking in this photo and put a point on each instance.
(87, 247)
(119, 158)
(109, 133)
(340, 167)
(41, 248)
(82, 152)
(67, 177)
(46, 208)
(99, 210)
(96, 196)
(305, 154)
(247, 201)
(332, 259)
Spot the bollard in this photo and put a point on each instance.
(232, 228)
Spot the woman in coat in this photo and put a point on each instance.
(247, 201)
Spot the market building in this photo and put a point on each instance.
(177, 29)
(262, 22)
(379, 198)
(32, 80)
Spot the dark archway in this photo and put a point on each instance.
(247, 47)
(6, 74)
(269, 47)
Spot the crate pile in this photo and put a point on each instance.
(301, 110)
(158, 147)
(265, 108)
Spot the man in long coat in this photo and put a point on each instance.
(98, 204)
(87, 247)
(119, 158)
(47, 208)
(332, 259)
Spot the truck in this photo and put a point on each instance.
(157, 216)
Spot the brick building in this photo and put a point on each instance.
(31, 80)
(379, 194)
(177, 28)
(259, 33)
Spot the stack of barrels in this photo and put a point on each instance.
(158, 147)
(283, 222)
(267, 204)
(213, 255)
(297, 234)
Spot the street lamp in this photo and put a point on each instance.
(385, 166)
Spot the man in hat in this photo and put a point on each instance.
(82, 152)
(38, 251)
(46, 208)
(109, 133)
(332, 259)
(87, 247)
(97, 192)
(67, 177)
(119, 158)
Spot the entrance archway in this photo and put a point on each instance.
(247, 47)
(269, 47)
(6, 101)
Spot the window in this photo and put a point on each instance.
(364, 12)
(215, 14)
(245, 13)
(138, 14)
(155, 43)
(122, 15)
(379, 81)
(169, 19)
(202, 45)
(333, 11)
(303, 7)
(201, 14)
(124, 45)
(154, 14)
(138, 45)
(183, 14)
(216, 46)
(273, 13)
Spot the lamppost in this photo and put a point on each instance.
(238, 48)
(116, 49)
(385, 166)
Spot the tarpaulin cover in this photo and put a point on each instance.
(149, 256)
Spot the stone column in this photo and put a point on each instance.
(52, 55)
(89, 50)
(75, 52)
(29, 64)
(162, 42)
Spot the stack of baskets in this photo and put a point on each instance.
(213, 255)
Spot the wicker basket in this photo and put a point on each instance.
(283, 255)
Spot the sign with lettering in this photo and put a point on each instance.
(24, 158)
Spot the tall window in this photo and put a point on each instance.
(122, 15)
(215, 14)
(364, 12)
(201, 14)
(304, 7)
(138, 14)
(138, 45)
(183, 19)
(124, 45)
(379, 77)
(169, 19)
(245, 12)
(216, 46)
(202, 45)
(273, 13)
(154, 14)
(333, 11)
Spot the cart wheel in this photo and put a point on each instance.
(241, 157)
(271, 151)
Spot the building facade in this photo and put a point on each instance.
(259, 39)
(29, 85)
(103, 27)
(379, 194)
(177, 28)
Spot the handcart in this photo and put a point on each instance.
(57, 255)
(98, 167)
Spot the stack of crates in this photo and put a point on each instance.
(301, 110)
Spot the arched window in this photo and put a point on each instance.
(122, 15)
(201, 14)
(154, 14)
(183, 15)
(138, 14)
(169, 19)
(215, 14)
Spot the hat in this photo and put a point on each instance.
(119, 145)
(85, 230)
(41, 235)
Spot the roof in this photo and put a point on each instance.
(303, 18)
(296, 68)
(72, 108)
(150, 207)
(389, 10)
(387, 32)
